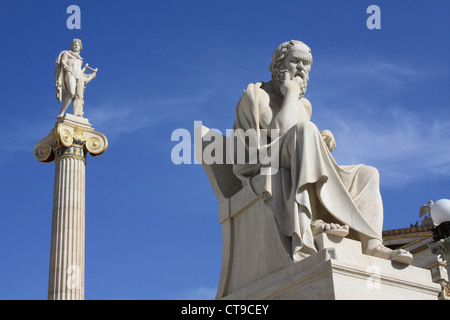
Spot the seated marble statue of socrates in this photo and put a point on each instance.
(310, 193)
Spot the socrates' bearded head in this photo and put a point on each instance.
(295, 58)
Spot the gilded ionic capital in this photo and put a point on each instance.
(70, 140)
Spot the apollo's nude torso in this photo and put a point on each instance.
(74, 65)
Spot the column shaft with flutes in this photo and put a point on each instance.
(67, 145)
(66, 278)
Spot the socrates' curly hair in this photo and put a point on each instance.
(279, 55)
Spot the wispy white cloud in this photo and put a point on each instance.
(200, 293)
(389, 73)
(396, 139)
(129, 116)
(400, 138)
(405, 148)
(339, 76)
(21, 135)
(115, 116)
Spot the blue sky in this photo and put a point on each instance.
(152, 228)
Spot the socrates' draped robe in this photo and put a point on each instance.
(308, 184)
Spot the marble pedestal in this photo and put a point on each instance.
(256, 255)
(67, 145)
(339, 271)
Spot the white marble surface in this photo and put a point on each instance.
(71, 80)
(67, 145)
(308, 186)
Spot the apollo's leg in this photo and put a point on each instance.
(71, 86)
(78, 99)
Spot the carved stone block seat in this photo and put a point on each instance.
(256, 259)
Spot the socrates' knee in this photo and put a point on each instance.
(370, 172)
(301, 131)
(305, 126)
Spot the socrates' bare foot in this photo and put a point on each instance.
(378, 250)
(319, 226)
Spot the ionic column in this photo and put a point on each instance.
(67, 145)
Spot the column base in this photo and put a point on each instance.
(75, 121)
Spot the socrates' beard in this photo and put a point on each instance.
(302, 79)
(303, 83)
